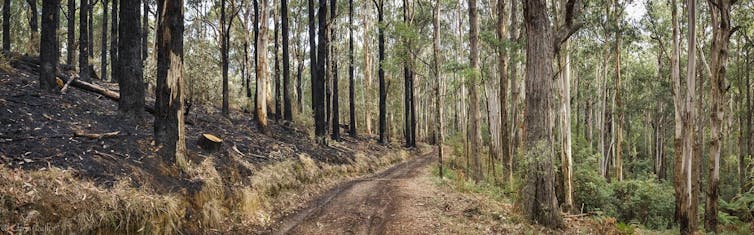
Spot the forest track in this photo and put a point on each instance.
(371, 205)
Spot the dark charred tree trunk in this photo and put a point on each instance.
(6, 25)
(145, 31)
(131, 104)
(103, 51)
(168, 124)
(408, 79)
(90, 30)
(71, 33)
(287, 113)
(318, 78)
(33, 21)
(276, 68)
(114, 65)
(335, 132)
(48, 49)
(474, 134)
(256, 43)
(224, 54)
(317, 85)
(381, 73)
(84, 41)
(351, 83)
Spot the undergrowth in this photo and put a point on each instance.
(53, 200)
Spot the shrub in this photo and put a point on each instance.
(644, 200)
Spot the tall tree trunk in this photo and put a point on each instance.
(224, 54)
(688, 212)
(83, 41)
(438, 82)
(678, 111)
(333, 59)
(565, 125)
(261, 69)
(618, 120)
(169, 127)
(351, 82)
(503, 55)
(288, 112)
(48, 49)
(71, 32)
(103, 50)
(276, 66)
(6, 25)
(381, 73)
(408, 89)
(351, 76)
(131, 84)
(516, 129)
(749, 124)
(33, 25)
(474, 114)
(367, 71)
(114, 65)
(318, 51)
(541, 203)
(90, 30)
(721, 33)
(145, 31)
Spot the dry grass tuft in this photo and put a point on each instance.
(52, 200)
(5, 64)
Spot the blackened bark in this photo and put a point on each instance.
(33, 21)
(224, 54)
(318, 81)
(351, 83)
(84, 41)
(287, 113)
(145, 31)
(114, 66)
(90, 30)
(71, 35)
(131, 104)
(6, 25)
(381, 75)
(335, 132)
(48, 49)
(256, 43)
(276, 68)
(168, 126)
(103, 51)
(313, 71)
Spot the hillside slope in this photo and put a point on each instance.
(43, 148)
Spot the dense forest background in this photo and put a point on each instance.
(645, 113)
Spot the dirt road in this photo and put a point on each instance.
(385, 203)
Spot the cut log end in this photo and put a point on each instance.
(209, 142)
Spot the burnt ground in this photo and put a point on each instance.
(37, 131)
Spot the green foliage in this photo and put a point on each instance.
(643, 200)
(646, 200)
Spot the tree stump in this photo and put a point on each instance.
(209, 142)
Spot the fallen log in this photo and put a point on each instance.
(32, 64)
(67, 84)
(209, 142)
(95, 136)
